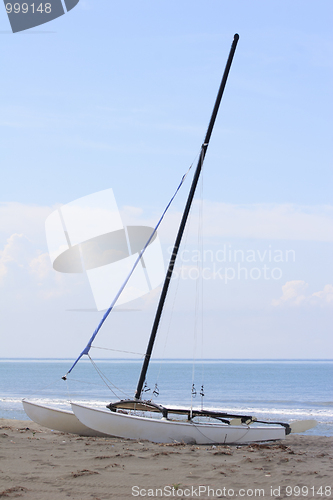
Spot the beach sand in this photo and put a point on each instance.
(37, 463)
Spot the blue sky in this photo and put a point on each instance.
(119, 94)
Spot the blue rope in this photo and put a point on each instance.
(88, 346)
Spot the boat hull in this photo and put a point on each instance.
(169, 431)
(58, 420)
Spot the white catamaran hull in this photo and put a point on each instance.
(58, 420)
(168, 431)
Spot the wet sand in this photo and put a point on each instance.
(37, 463)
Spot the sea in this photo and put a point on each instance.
(276, 390)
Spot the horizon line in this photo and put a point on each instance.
(167, 359)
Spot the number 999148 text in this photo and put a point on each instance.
(33, 8)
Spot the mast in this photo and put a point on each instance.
(183, 221)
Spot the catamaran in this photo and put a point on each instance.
(138, 418)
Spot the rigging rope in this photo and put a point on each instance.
(117, 350)
(106, 380)
(175, 295)
(198, 307)
(168, 298)
(202, 290)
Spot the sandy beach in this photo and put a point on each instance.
(37, 463)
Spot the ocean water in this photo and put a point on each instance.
(283, 390)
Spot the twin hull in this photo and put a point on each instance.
(168, 431)
(57, 420)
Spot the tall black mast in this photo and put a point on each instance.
(184, 219)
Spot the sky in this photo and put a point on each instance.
(118, 95)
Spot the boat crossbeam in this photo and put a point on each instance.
(141, 405)
(225, 417)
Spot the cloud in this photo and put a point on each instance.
(13, 254)
(221, 220)
(294, 294)
(255, 221)
(26, 275)
(24, 219)
(40, 266)
(23, 266)
(269, 221)
(24, 260)
(325, 295)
